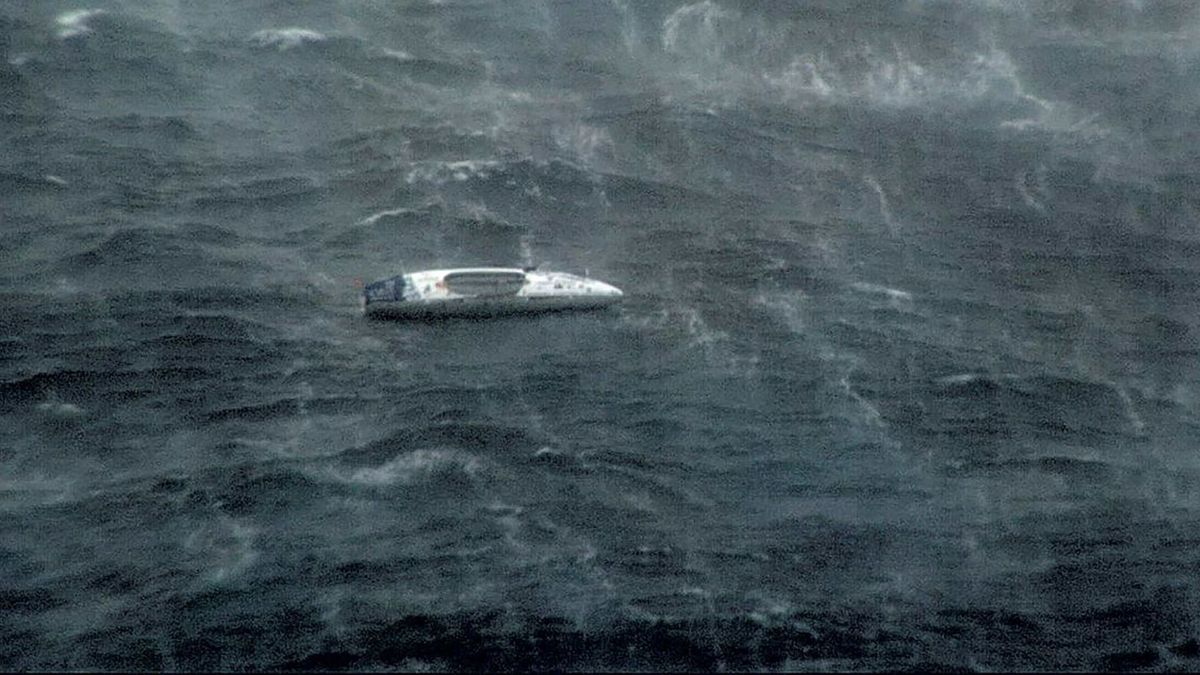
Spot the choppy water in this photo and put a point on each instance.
(906, 376)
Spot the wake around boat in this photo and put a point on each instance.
(483, 291)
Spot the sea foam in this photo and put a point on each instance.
(411, 467)
(286, 38)
(74, 23)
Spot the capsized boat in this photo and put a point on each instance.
(483, 291)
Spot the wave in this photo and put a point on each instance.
(58, 408)
(14, 181)
(75, 394)
(492, 639)
(75, 23)
(440, 173)
(286, 38)
(398, 54)
(880, 265)
(439, 72)
(1042, 406)
(894, 294)
(410, 467)
(256, 299)
(349, 405)
(731, 54)
(169, 128)
(225, 548)
(494, 438)
(132, 247)
(276, 192)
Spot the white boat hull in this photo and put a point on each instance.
(415, 309)
(483, 292)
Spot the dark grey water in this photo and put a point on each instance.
(906, 376)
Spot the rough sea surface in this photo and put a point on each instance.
(906, 375)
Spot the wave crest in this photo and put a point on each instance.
(440, 173)
(412, 467)
(286, 38)
(75, 23)
(805, 59)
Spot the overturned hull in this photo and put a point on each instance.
(417, 309)
(483, 292)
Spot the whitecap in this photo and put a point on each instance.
(51, 178)
(961, 378)
(470, 168)
(884, 209)
(699, 332)
(286, 38)
(74, 23)
(876, 289)
(38, 489)
(899, 81)
(407, 468)
(64, 287)
(226, 545)
(788, 307)
(804, 74)
(1131, 414)
(871, 413)
(59, 409)
(1022, 184)
(376, 217)
(700, 23)
(1020, 125)
(584, 141)
(398, 54)
(443, 172)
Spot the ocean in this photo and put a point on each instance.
(906, 375)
